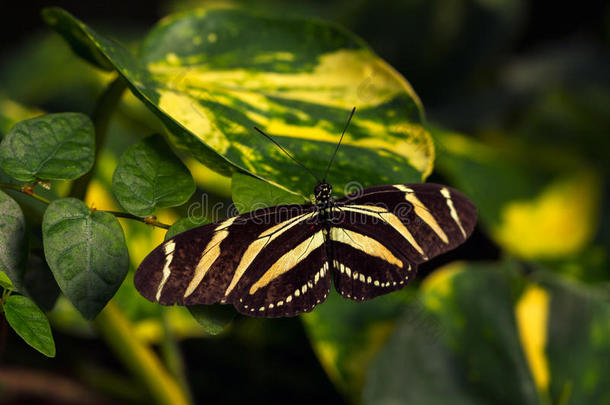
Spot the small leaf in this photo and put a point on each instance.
(249, 193)
(150, 176)
(184, 224)
(13, 244)
(50, 147)
(5, 282)
(86, 252)
(39, 283)
(214, 318)
(30, 323)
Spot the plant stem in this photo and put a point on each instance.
(25, 190)
(147, 220)
(104, 108)
(141, 361)
(151, 220)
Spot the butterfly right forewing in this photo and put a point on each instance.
(380, 234)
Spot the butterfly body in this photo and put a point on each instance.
(279, 261)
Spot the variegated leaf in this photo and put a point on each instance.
(211, 76)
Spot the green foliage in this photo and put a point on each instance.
(86, 251)
(249, 194)
(473, 351)
(184, 224)
(210, 94)
(148, 177)
(6, 282)
(13, 243)
(51, 147)
(214, 318)
(30, 323)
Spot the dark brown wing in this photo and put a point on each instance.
(381, 233)
(243, 260)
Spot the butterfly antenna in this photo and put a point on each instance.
(338, 144)
(287, 153)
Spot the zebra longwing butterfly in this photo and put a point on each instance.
(278, 261)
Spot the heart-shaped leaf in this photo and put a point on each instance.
(39, 283)
(211, 76)
(50, 147)
(214, 318)
(87, 253)
(184, 224)
(13, 244)
(6, 282)
(30, 323)
(150, 176)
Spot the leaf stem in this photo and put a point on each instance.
(151, 220)
(29, 190)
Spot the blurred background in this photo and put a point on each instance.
(517, 98)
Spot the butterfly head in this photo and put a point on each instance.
(322, 192)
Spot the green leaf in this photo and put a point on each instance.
(249, 193)
(347, 335)
(13, 243)
(214, 318)
(6, 282)
(472, 353)
(150, 176)
(30, 323)
(39, 283)
(50, 147)
(492, 336)
(514, 186)
(212, 75)
(577, 341)
(184, 224)
(415, 367)
(75, 38)
(87, 253)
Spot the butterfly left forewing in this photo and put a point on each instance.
(199, 266)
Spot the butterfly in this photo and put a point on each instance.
(279, 261)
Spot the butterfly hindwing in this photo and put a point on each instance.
(364, 265)
(291, 276)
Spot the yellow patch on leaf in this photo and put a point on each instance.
(558, 223)
(532, 312)
(438, 285)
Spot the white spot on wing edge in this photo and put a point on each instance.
(169, 256)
